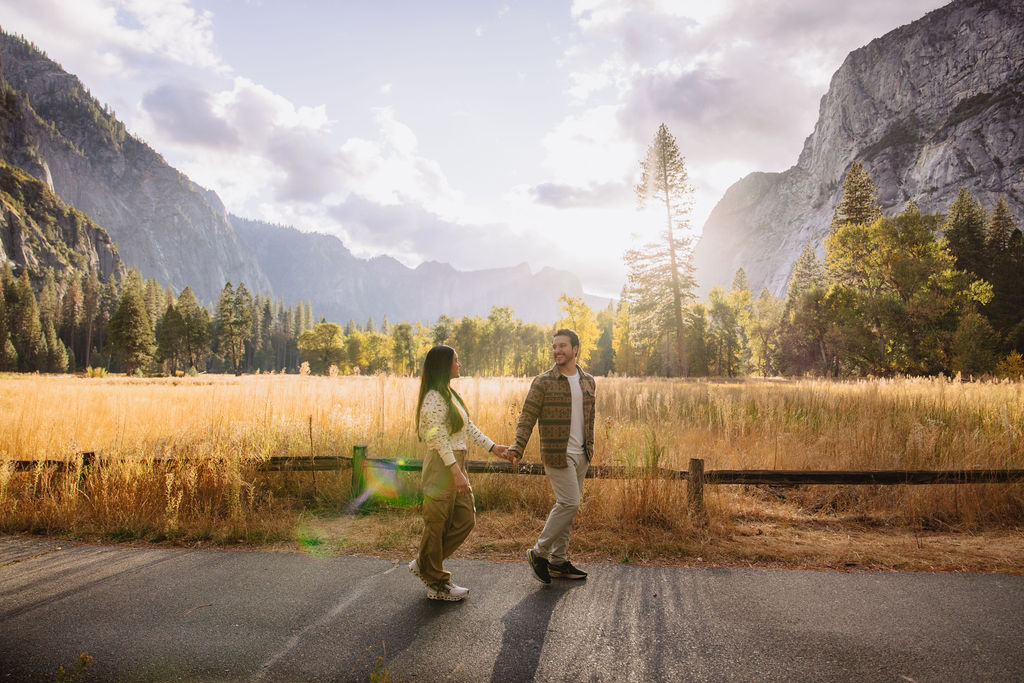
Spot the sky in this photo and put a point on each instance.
(482, 134)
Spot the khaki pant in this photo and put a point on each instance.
(448, 518)
(567, 485)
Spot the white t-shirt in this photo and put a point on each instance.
(576, 441)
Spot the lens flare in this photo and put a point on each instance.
(380, 479)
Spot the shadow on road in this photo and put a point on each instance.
(526, 627)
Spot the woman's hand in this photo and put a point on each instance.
(500, 451)
(462, 486)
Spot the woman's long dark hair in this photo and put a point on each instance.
(437, 373)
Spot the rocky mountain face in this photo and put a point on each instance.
(179, 233)
(39, 230)
(341, 286)
(929, 108)
(163, 224)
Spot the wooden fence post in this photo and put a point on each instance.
(358, 480)
(695, 491)
(88, 458)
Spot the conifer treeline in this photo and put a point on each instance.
(911, 294)
(139, 326)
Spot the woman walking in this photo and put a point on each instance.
(448, 508)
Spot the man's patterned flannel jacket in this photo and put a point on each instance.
(550, 403)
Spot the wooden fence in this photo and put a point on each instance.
(696, 476)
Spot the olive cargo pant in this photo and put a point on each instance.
(448, 518)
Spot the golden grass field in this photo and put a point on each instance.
(218, 427)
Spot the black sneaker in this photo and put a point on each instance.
(540, 566)
(565, 571)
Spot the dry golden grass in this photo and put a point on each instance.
(219, 427)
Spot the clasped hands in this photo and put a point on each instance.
(507, 453)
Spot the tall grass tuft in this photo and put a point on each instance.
(217, 430)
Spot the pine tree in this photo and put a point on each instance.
(740, 281)
(131, 335)
(860, 199)
(56, 352)
(90, 311)
(1000, 228)
(661, 275)
(603, 357)
(72, 309)
(195, 321)
(49, 307)
(23, 323)
(234, 324)
(170, 338)
(964, 229)
(156, 301)
(808, 272)
(1006, 273)
(8, 356)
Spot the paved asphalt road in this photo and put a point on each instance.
(175, 614)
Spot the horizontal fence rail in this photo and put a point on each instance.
(330, 463)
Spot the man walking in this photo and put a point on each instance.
(562, 401)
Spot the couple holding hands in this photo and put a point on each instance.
(561, 401)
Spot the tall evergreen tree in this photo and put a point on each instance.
(740, 281)
(860, 199)
(72, 309)
(195, 320)
(23, 322)
(661, 275)
(56, 353)
(90, 311)
(1006, 273)
(603, 357)
(808, 272)
(131, 334)
(234, 324)
(964, 230)
(171, 346)
(8, 355)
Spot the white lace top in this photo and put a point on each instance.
(435, 431)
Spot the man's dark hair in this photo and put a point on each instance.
(574, 339)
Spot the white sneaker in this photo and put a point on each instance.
(414, 567)
(450, 592)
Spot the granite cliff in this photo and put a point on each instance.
(929, 108)
(38, 230)
(163, 224)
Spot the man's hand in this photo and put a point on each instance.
(514, 455)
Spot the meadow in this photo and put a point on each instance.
(218, 428)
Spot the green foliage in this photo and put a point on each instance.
(170, 338)
(131, 335)
(1011, 367)
(234, 324)
(195, 333)
(902, 291)
(323, 347)
(964, 230)
(860, 199)
(579, 318)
